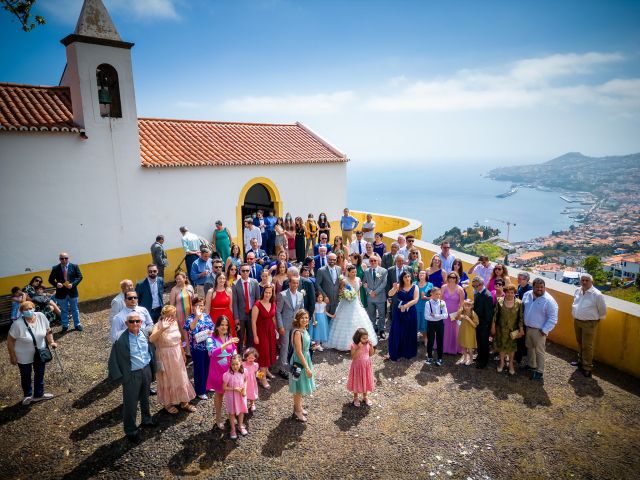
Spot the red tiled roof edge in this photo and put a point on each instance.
(36, 108)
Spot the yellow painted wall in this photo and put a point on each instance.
(102, 279)
(618, 338)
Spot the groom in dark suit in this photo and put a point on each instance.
(483, 306)
(65, 277)
(246, 292)
(150, 291)
(375, 281)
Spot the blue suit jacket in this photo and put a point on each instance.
(73, 275)
(143, 289)
(315, 249)
(316, 263)
(258, 271)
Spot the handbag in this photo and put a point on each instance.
(295, 367)
(42, 354)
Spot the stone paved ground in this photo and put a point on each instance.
(426, 422)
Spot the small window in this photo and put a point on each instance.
(108, 91)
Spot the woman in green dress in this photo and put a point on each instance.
(507, 326)
(356, 259)
(305, 383)
(222, 241)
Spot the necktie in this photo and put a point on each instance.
(322, 262)
(64, 273)
(360, 247)
(254, 271)
(247, 309)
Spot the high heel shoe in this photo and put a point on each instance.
(299, 417)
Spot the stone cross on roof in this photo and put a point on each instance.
(94, 21)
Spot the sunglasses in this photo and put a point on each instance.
(63, 258)
(499, 284)
(245, 271)
(132, 298)
(134, 321)
(410, 241)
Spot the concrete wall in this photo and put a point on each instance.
(618, 335)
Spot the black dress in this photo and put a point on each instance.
(300, 253)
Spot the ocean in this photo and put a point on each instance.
(453, 194)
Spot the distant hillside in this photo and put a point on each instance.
(575, 171)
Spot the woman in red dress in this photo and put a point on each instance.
(218, 302)
(263, 321)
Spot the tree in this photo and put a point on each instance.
(593, 266)
(21, 9)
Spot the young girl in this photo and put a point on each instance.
(320, 327)
(361, 371)
(467, 331)
(17, 297)
(251, 369)
(235, 395)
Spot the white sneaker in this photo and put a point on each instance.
(319, 348)
(26, 401)
(203, 397)
(45, 396)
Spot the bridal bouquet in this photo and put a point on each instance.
(348, 295)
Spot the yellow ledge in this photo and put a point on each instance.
(618, 335)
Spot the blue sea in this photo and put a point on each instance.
(453, 193)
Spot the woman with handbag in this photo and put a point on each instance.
(301, 379)
(27, 343)
(507, 327)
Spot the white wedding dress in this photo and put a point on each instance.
(350, 316)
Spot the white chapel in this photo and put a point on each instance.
(80, 171)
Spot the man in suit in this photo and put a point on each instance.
(393, 275)
(322, 243)
(119, 321)
(328, 283)
(375, 284)
(131, 361)
(158, 255)
(320, 260)
(289, 302)
(256, 269)
(246, 292)
(65, 277)
(150, 291)
(306, 287)
(259, 254)
(389, 258)
(483, 306)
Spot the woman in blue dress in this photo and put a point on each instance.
(404, 323)
(435, 272)
(305, 383)
(424, 291)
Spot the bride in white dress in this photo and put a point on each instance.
(350, 315)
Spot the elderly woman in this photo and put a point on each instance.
(507, 327)
(30, 328)
(222, 241)
(174, 387)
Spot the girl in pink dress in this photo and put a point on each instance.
(234, 382)
(251, 368)
(453, 296)
(361, 372)
(223, 347)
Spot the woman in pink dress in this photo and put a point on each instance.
(223, 348)
(251, 369)
(453, 296)
(361, 372)
(218, 301)
(174, 387)
(180, 297)
(234, 382)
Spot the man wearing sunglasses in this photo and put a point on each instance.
(65, 277)
(150, 292)
(132, 362)
(119, 322)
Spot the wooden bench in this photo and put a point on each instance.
(5, 306)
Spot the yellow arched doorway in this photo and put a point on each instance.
(257, 193)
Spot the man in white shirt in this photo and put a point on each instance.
(403, 248)
(446, 257)
(191, 245)
(119, 322)
(368, 229)
(588, 309)
(482, 268)
(251, 231)
(117, 304)
(359, 245)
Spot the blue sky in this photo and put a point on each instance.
(391, 80)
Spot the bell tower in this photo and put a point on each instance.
(99, 73)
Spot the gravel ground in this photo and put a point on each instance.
(427, 422)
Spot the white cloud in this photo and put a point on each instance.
(319, 103)
(552, 80)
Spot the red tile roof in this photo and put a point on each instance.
(187, 143)
(36, 108)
